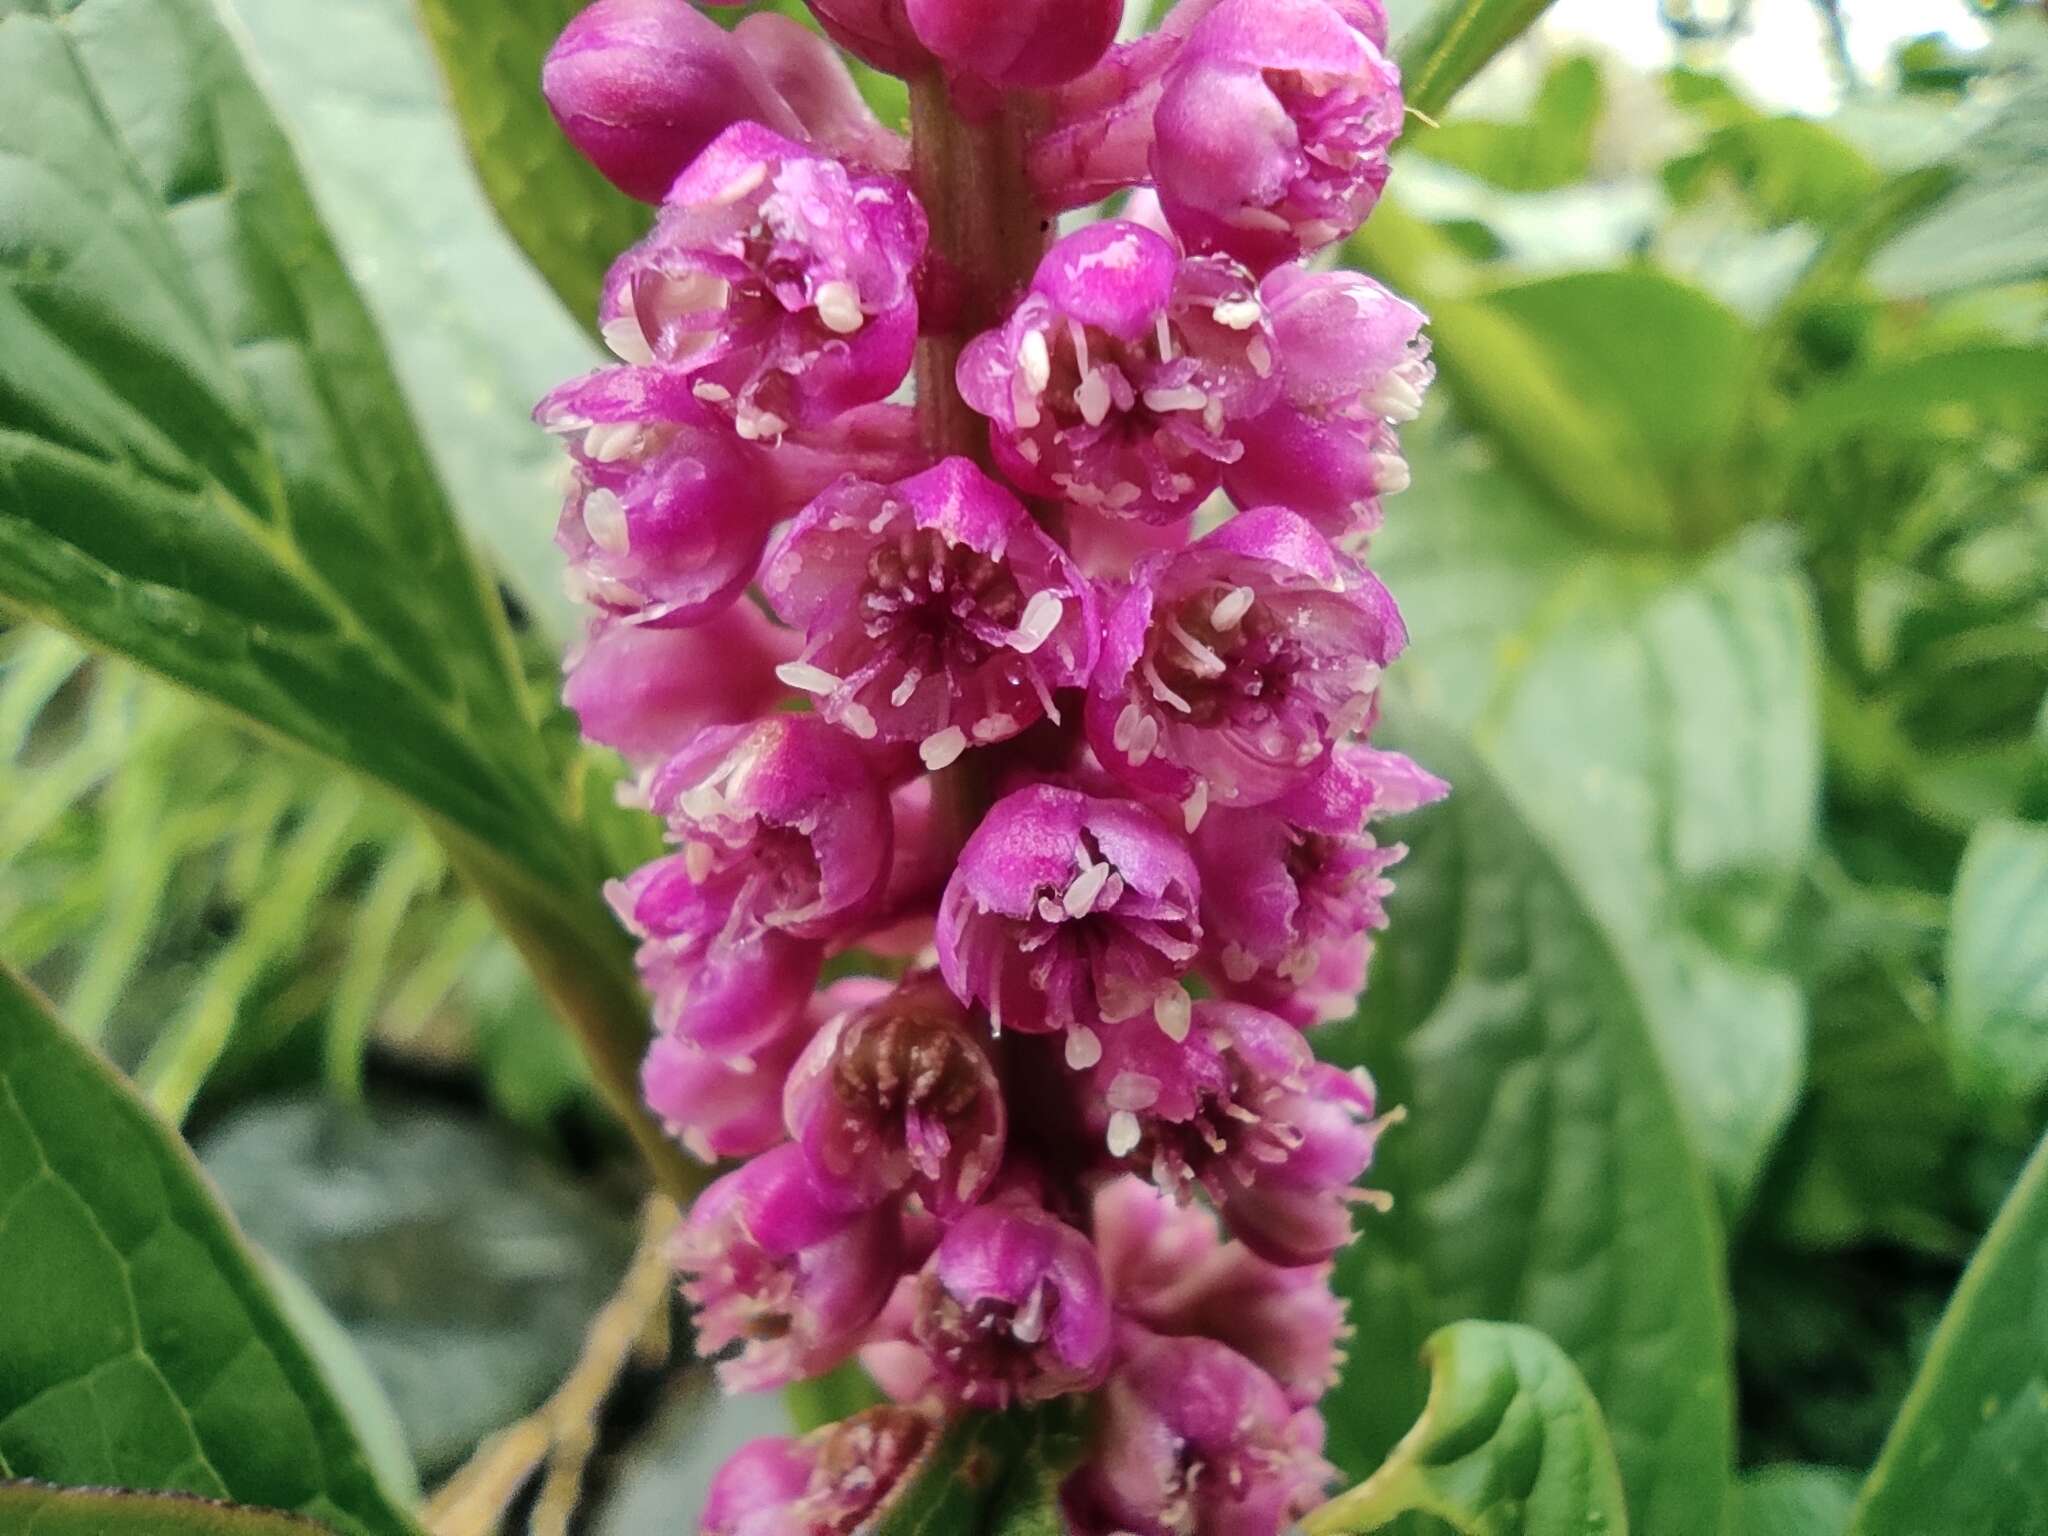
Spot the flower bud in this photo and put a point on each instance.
(1271, 134)
(898, 1093)
(876, 32)
(832, 1482)
(1070, 913)
(936, 610)
(647, 691)
(792, 1278)
(1017, 43)
(1011, 1309)
(641, 86)
(809, 74)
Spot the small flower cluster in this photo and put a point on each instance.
(1066, 755)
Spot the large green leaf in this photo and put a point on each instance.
(1796, 1500)
(31, 1509)
(1655, 722)
(1453, 41)
(1543, 1176)
(1998, 961)
(1965, 1457)
(139, 1344)
(569, 220)
(475, 334)
(1510, 1443)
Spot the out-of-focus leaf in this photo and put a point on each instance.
(1656, 724)
(475, 334)
(1965, 1456)
(1544, 1175)
(35, 1509)
(1551, 148)
(1998, 962)
(1989, 383)
(1510, 1443)
(1452, 41)
(1636, 439)
(1792, 169)
(465, 1269)
(141, 1347)
(569, 220)
(834, 1396)
(1794, 1500)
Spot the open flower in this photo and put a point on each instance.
(791, 1277)
(1230, 667)
(1195, 1440)
(1353, 367)
(1272, 131)
(1297, 888)
(935, 610)
(1068, 913)
(1011, 1309)
(897, 1093)
(1118, 380)
(831, 1482)
(646, 690)
(777, 279)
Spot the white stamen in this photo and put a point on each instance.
(1260, 356)
(1041, 617)
(1173, 1010)
(1079, 900)
(697, 858)
(1164, 333)
(839, 307)
(1084, 1048)
(805, 678)
(742, 184)
(1238, 314)
(1079, 337)
(1126, 730)
(1390, 473)
(1196, 806)
(1123, 1133)
(1028, 1325)
(1162, 693)
(1184, 397)
(905, 687)
(1206, 662)
(855, 718)
(1035, 360)
(759, 426)
(995, 727)
(705, 389)
(610, 441)
(941, 747)
(604, 519)
(1231, 608)
(1144, 741)
(627, 341)
(1093, 399)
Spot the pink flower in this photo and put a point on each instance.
(876, 32)
(1296, 889)
(829, 1483)
(897, 1093)
(789, 1276)
(777, 279)
(1118, 380)
(1068, 913)
(646, 691)
(808, 73)
(1024, 43)
(717, 1109)
(1011, 1309)
(935, 611)
(1353, 367)
(1230, 667)
(1272, 131)
(735, 995)
(1244, 1109)
(640, 86)
(1195, 1440)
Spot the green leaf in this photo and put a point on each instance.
(1794, 1500)
(1552, 147)
(569, 220)
(1510, 1443)
(139, 1345)
(33, 1509)
(1998, 962)
(1638, 440)
(1544, 1175)
(991, 1475)
(836, 1395)
(1965, 1457)
(475, 333)
(1453, 41)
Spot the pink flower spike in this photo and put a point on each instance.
(1022, 43)
(667, 511)
(777, 279)
(1272, 132)
(647, 691)
(1011, 1309)
(641, 86)
(1230, 667)
(898, 1093)
(1118, 380)
(809, 74)
(1194, 1438)
(771, 1265)
(935, 611)
(1297, 888)
(1070, 913)
(1353, 367)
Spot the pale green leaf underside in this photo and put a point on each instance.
(28, 1509)
(204, 460)
(1510, 1443)
(1998, 961)
(1544, 1176)
(139, 1344)
(1966, 1455)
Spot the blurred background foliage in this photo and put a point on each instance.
(1726, 559)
